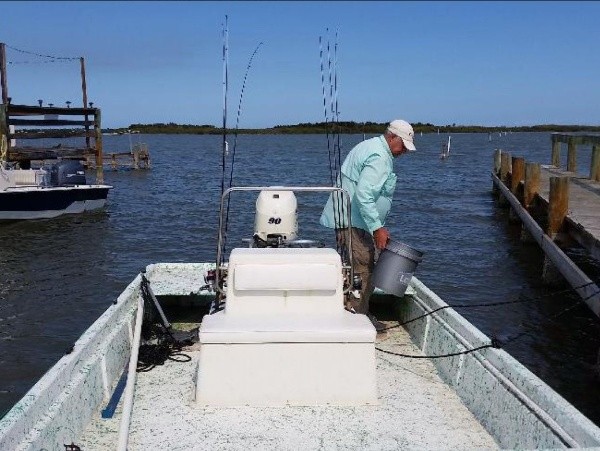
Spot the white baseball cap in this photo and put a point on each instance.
(405, 131)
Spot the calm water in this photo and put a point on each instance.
(57, 276)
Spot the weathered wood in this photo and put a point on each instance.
(572, 156)
(532, 183)
(558, 204)
(3, 79)
(555, 154)
(40, 153)
(4, 126)
(84, 93)
(52, 134)
(595, 164)
(580, 282)
(505, 166)
(47, 122)
(517, 175)
(550, 273)
(577, 139)
(497, 161)
(30, 110)
(583, 221)
(98, 146)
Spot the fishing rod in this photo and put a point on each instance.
(338, 146)
(333, 138)
(225, 37)
(237, 123)
(331, 175)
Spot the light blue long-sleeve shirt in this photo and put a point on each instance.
(367, 174)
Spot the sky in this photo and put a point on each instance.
(468, 63)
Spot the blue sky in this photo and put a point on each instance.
(486, 63)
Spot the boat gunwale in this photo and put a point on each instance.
(30, 415)
(574, 428)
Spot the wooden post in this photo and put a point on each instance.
(518, 174)
(4, 131)
(595, 166)
(98, 145)
(558, 204)
(531, 186)
(3, 79)
(505, 163)
(85, 105)
(497, 161)
(136, 157)
(555, 152)
(572, 155)
(496, 171)
(532, 183)
(113, 161)
(505, 166)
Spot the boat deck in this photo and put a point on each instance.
(417, 410)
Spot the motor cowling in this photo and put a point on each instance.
(276, 219)
(67, 172)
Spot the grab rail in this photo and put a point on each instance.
(282, 188)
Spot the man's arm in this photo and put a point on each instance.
(370, 182)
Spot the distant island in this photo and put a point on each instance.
(343, 128)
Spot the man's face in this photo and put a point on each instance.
(397, 146)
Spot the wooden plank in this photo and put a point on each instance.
(580, 282)
(37, 153)
(46, 122)
(31, 110)
(53, 134)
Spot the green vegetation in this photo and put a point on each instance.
(346, 127)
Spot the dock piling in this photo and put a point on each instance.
(595, 165)
(558, 204)
(556, 213)
(572, 155)
(532, 183)
(555, 152)
(516, 177)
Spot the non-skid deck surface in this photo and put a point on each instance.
(417, 410)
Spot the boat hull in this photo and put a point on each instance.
(43, 203)
(516, 408)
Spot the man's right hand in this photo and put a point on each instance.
(381, 237)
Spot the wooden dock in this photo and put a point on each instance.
(83, 122)
(556, 207)
(137, 158)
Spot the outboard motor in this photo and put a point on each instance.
(67, 172)
(276, 219)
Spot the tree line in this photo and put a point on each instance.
(347, 127)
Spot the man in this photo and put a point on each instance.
(367, 175)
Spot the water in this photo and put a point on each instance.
(57, 276)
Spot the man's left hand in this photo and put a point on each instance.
(381, 237)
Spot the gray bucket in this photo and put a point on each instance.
(395, 267)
